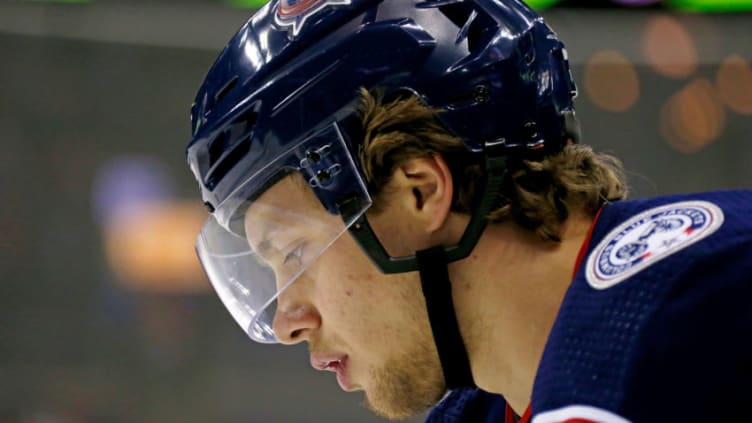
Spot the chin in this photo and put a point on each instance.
(391, 411)
(407, 398)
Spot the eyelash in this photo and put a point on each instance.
(295, 254)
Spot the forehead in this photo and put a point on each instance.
(289, 203)
(290, 192)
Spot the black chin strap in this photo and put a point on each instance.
(437, 290)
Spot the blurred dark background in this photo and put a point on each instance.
(105, 315)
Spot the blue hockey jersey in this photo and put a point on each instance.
(657, 323)
(469, 405)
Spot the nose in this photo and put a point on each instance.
(294, 322)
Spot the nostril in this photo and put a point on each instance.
(296, 334)
(293, 323)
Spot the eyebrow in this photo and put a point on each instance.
(263, 248)
(270, 223)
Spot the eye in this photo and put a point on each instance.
(295, 255)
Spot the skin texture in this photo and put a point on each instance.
(342, 304)
(506, 294)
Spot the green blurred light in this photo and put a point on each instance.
(253, 4)
(712, 5)
(541, 4)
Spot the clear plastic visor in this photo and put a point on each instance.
(263, 238)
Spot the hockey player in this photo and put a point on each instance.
(400, 185)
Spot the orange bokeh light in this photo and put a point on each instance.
(669, 48)
(152, 248)
(611, 81)
(734, 80)
(694, 117)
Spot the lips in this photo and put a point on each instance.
(333, 363)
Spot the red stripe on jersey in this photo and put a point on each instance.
(585, 244)
(511, 417)
(526, 416)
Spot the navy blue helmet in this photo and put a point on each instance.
(499, 72)
(281, 98)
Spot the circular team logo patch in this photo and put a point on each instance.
(648, 237)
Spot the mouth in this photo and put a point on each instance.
(333, 363)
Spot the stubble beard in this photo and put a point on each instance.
(406, 386)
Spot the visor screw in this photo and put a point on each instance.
(313, 156)
(531, 130)
(481, 94)
(323, 176)
(209, 207)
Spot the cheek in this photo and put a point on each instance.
(354, 297)
(345, 280)
(358, 303)
(393, 232)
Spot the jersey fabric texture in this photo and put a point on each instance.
(665, 338)
(469, 405)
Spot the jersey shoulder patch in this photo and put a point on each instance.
(578, 414)
(649, 237)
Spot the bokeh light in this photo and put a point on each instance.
(711, 5)
(152, 249)
(126, 182)
(148, 233)
(541, 4)
(694, 117)
(636, 2)
(668, 47)
(734, 80)
(611, 81)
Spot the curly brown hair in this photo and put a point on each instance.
(538, 194)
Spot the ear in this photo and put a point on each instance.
(426, 187)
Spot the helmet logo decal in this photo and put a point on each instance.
(294, 13)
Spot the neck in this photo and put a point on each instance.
(507, 295)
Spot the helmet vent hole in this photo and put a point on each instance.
(227, 162)
(241, 128)
(217, 147)
(471, 23)
(228, 147)
(222, 92)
